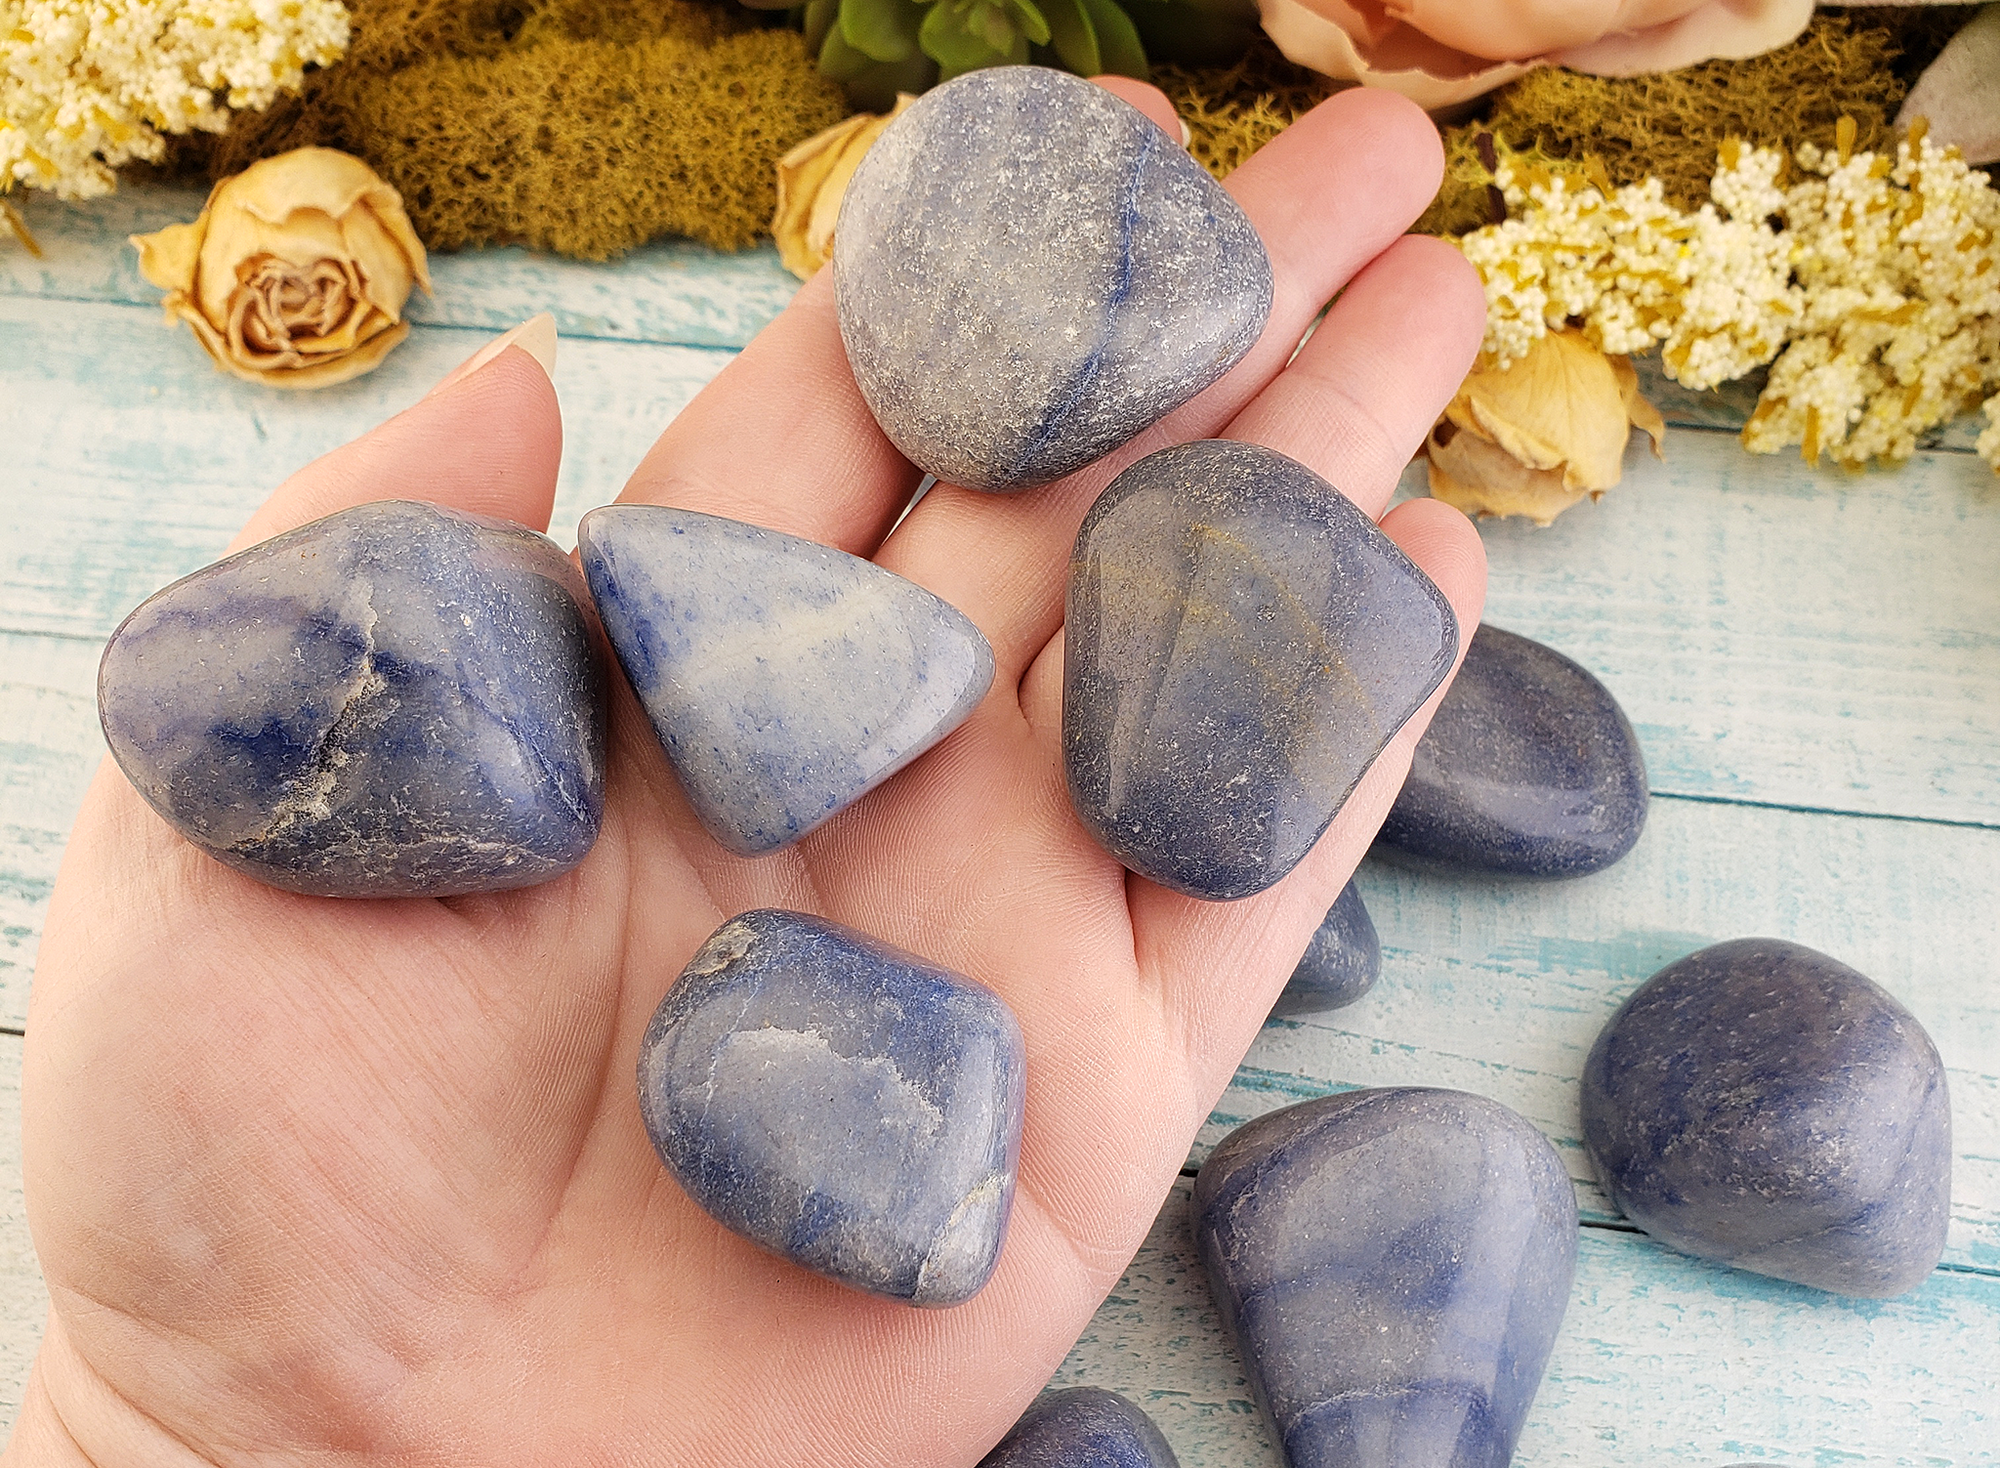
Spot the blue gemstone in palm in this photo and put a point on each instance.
(1529, 768)
(1084, 1427)
(1763, 1105)
(1029, 272)
(1340, 964)
(1240, 643)
(785, 679)
(1394, 1265)
(850, 1106)
(396, 700)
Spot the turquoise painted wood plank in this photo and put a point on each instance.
(132, 461)
(50, 746)
(1500, 987)
(1777, 634)
(1661, 1360)
(673, 291)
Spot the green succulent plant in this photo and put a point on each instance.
(877, 48)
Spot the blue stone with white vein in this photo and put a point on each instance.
(848, 1105)
(1029, 272)
(396, 700)
(1240, 643)
(1083, 1427)
(785, 678)
(1340, 964)
(1764, 1105)
(1394, 1265)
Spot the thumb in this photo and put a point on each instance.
(488, 439)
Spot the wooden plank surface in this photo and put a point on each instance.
(1810, 658)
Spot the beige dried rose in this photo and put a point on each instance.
(1440, 53)
(1537, 437)
(296, 272)
(812, 180)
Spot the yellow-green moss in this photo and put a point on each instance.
(1232, 111)
(580, 126)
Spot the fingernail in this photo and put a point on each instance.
(536, 336)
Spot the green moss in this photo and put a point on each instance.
(580, 126)
(1232, 111)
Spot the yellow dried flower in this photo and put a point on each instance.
(86, 85)
(296, 272)
(1898, 260)
(1988, 444)
(812, 180)
(1534, 437)
(1711, 289)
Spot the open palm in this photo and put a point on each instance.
(326, 1182)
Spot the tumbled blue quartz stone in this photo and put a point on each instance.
(1240, 643)
(1029, 272)
(1529, 768)
(1763, 1105)
(785, 678)
(1393, 1265)
(397, 700)
(841, 1102)
(1340, 964)
(1083, 1427)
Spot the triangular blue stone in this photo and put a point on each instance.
(785, 678)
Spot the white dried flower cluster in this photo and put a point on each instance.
(1900, 263)
(1988, 445)
(86, 85)
(1712, 289)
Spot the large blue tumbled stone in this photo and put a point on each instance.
(396, 700)
(785, 678)
(1393, 1265)
(843, 1103)
(1029, 272)
(1240, 643)
(1760, 1104)
(1084, 1427)
(1529, 768)
(1340, 964)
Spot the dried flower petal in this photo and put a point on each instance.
(1536, 436)
(296, 272)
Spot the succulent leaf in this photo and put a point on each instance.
(1074, 38)
(882, 30)
(1119, 47)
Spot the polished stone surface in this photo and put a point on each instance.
(785, 678)
(1084, 1427)
(1761, 1104)
(396, 700)
(1529, 768)
(1029, 272)
(843, 1103)
(1393, 1265)
(1240, 644)
(1340, 964)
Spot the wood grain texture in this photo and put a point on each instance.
(1661, 1359)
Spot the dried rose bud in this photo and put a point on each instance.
(812, 180)
(296, 272)
(1536, 437)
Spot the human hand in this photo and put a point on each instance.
(358, 1182)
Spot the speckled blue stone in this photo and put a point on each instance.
(1394, 1265)
(1760, 1104)
(1529, 768)
(785, 678)
(1240, 643)
(1084, 1427)
(1029, 272)
(397, 700)
(843, 1103)
(1340, 964)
